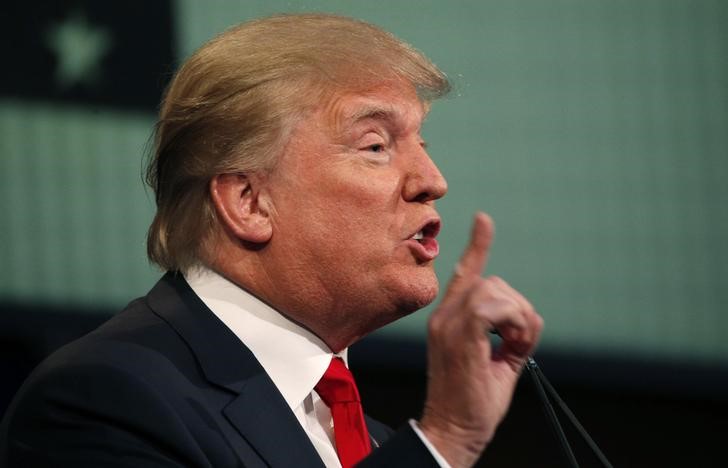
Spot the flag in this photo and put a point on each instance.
(110, 53)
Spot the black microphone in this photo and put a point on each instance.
(542, 386)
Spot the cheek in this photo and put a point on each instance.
(361, 188)
(342, 210)
(368, 203)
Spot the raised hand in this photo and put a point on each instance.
(470, 384)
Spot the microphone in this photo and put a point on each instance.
(542, 387)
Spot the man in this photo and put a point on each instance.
(295, 215)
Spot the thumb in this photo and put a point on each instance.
(475, 256)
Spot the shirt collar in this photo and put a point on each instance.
(294, 358)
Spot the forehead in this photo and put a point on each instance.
(397, 106)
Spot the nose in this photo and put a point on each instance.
(423, 182)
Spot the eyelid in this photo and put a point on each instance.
(372, 138)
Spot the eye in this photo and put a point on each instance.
(376, 148)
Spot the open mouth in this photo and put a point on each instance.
(426, 247)
(428, 231)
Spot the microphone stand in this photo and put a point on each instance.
(542, 386)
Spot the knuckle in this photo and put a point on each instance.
(511, 305)
(538, 322)
(484, 287)
(493, 279)
(458, 270)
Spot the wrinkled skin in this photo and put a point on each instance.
(333, 226)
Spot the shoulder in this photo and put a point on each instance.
(120, 383)
(135, 351)
(135, 344)
(87, 412)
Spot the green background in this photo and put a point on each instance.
(594, 132)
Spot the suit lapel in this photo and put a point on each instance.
(251, 413)
(258, 411)
(378, 432)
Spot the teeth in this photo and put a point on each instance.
(418, 236)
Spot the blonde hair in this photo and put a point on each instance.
(231, 105)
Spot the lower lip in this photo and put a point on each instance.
(426, 249)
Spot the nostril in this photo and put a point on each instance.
(423, 197)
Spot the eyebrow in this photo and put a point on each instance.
(375, 112)
(378, 111)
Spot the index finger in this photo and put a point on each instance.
(475, 256)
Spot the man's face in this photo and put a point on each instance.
(354, 221)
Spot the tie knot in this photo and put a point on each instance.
(337, 385)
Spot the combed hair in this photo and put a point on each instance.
(232, 105)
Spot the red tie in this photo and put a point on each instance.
(338, 390)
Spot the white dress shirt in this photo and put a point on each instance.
(294, 358)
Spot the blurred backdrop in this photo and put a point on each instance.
(595, 132)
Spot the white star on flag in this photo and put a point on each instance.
(79, 47)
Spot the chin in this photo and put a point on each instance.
(402, 297)
(417, 294)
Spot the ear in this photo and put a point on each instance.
(240, 207)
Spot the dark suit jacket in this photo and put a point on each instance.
(165, 383)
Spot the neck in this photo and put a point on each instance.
(290, 296)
